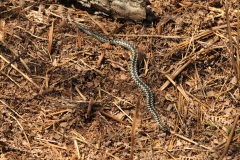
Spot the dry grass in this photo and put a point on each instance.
(64, 95)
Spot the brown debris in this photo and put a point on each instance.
(63, 92)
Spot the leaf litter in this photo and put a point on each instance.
(64, 93)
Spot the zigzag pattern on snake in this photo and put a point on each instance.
(134, 74)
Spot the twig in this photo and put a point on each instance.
(134, 129)
(114, 151)
(45, 39)
(111, 116)
(96, 70)
(89, 108)
(21, 128)
(174, 74)
(13, 51)
(238, 46)
(79, 137)
(77, 148)
(82, 139)
(229, 31)
(117, 97)
(201, 35)
(191, 141)
(12, 61)
(24, 75)
(122, 111)
(180, 88)
(11, 109)
(52, 145)
(230, 137)
(80, 93)
(10, 78)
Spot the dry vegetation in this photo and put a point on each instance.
(65, 95)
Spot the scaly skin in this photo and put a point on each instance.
(134, 74)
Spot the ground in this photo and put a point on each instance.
(64, 95)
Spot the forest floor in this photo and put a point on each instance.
(64, 95)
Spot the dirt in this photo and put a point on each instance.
(64, 95)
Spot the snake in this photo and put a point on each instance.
(133, 71)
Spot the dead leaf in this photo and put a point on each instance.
(123, 77)
(234, 80)
(211, 93)
(117, 66)
(169, 97)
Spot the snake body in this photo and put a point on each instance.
(134, 73)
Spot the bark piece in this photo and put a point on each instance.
(119, 9)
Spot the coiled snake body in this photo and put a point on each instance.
(134, 74)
